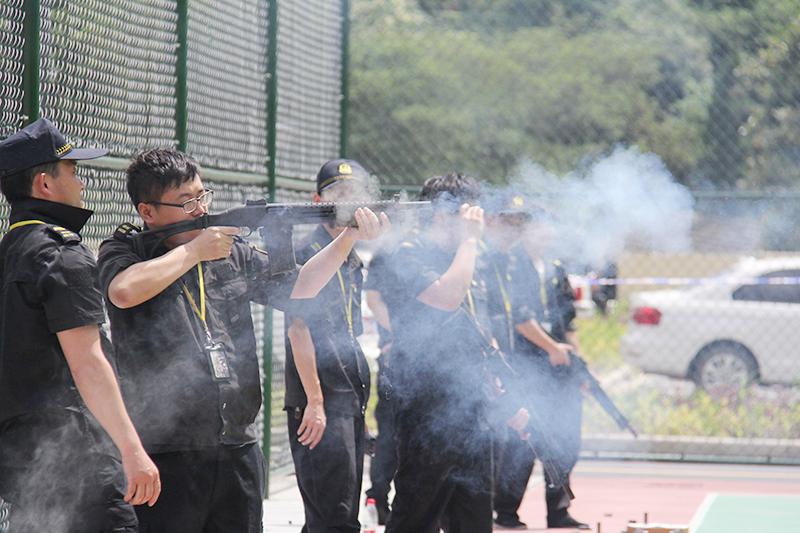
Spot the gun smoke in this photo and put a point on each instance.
(628, 199)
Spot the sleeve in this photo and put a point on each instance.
(115, 256)
(523, 292)
(70, 288)
(412, 266)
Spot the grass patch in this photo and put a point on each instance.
(659, 406)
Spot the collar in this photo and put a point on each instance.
(72, 218)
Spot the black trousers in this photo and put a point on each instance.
(329, 476)
(59, 472)
(384, 463)
(215, 490)
(443, 479)
(559, 405)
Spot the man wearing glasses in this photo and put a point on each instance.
(185, 345)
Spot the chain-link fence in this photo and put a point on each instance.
(528, 93)
(567, 100)
(252, 89)
(482, 86)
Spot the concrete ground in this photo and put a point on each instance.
(713, 498)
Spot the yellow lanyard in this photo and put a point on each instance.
(506, 300)
(348, 301)
(201, 312)
(471, 302)
(542, 287)
(24, 223)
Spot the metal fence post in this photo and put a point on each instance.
(345, 95)
(272, 120)
(31, 58)
(181, 74)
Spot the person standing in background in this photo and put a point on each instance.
(59, 397)
(384, 462)
(327, 375)
(543, 334)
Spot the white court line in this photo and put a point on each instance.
(701, 512)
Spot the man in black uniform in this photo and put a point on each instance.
(384, 461)
(59, 398)
(542, 313)
(327, 380)
(185, 344)
(438, 369)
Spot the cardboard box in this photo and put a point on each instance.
(633, 527)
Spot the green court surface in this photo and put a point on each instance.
(743, 513)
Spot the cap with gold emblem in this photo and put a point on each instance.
(509, 204)
(340, 169)
(39, 143)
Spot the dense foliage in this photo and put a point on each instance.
(711, 86)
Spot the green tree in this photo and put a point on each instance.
(430, 93)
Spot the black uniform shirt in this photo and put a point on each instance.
(376, 281)
(553, 308)
(495, 269)
(165, 374)
(438, 362)
(341, 366)
(48, 284)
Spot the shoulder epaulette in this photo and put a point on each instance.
(123, 231)
(64, 235)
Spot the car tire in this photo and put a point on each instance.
(724, 367)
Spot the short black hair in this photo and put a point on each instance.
(453, 189)
(20, 185)
(156, 171)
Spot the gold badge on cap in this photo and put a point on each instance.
(344, 168)
(518, 201)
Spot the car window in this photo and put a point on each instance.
(783, 293)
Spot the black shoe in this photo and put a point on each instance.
(565, 521)
(510, 523)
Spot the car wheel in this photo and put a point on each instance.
(724, 367)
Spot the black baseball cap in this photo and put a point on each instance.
(39, 143)
(510, 205)
(340, 169)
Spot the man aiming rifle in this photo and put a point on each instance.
(185, 344)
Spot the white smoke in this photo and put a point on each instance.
(628, 198)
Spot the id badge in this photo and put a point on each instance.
(218, 361)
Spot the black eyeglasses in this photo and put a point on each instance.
(191, 204)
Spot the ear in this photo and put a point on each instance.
(317, 198)
(40, 187)
(146, 212)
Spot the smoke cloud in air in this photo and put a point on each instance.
(626, 198)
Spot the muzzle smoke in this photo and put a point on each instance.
(628, 199)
